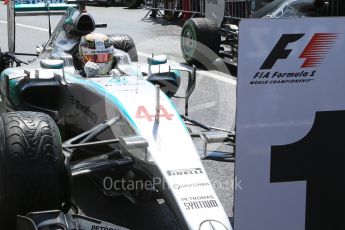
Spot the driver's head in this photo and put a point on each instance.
(97, 48)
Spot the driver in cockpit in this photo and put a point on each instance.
(99, 56)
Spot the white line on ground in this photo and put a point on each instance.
(202, 72)
(27, 26)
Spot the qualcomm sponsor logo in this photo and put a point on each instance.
(199, 202)
(313, 54)
(181, 172)
(212, 225)
(191, 185)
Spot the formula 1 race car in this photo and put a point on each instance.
(57, 123)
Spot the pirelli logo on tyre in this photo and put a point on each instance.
(312, 56)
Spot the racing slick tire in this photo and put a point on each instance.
(199, 37)
(125, 43)
(32, 170)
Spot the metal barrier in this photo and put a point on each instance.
(233, 8)
(237, 8)
(336, 8)
(185, 6)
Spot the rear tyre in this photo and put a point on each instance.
(32, 172)
(200, 41)
(125, 43)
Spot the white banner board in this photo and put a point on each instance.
(290, 130)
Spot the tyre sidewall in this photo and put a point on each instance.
(30, 183)
(3, 199)
(207, 38)
(189, 26)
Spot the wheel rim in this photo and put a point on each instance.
(188, 42)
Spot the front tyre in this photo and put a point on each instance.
(32, 172)
(200, 41)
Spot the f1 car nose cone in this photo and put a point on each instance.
(212, 225)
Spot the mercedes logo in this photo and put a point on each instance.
(212, 225)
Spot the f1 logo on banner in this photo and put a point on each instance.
(314, 52)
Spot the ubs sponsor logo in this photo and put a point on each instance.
(181, 172)
(199, 202)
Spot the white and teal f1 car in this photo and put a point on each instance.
(56, 124)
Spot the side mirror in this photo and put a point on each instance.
(103, 25)
(51, 64)
(168, 82)
(157, 60)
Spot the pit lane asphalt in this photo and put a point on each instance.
(212, 103)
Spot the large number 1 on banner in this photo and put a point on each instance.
(318, 159)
